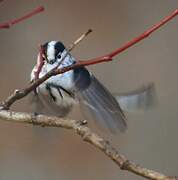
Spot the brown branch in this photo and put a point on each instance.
(15, 21)
(88, 136)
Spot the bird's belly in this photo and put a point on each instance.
(61, 103)
(64, 80)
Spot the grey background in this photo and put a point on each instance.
(28, 152)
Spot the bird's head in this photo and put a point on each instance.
(53, 51)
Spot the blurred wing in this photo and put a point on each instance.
(141, 99)
(100, 102)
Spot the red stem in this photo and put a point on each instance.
(4, 26)
(135, 40)
(40, 62)
(108, 57)
(94, 61)
(15, 21)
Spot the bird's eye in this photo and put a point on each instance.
(59, 56)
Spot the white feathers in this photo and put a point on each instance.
(50, 52)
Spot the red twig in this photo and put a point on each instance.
(39, 65)
(15, 21)
(40, 62)
(21, 93)
(4, 26)
(108, 57)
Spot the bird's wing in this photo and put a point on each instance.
(103, 105)
(140, 99)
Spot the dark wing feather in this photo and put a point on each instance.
(103, 105)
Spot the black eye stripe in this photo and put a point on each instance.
(59, 48)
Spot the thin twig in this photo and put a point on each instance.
(15, 21)
(88, 136)
(73, 45)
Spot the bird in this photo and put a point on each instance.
(62, 92)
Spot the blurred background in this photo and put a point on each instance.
(28, 152)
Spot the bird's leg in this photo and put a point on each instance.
(59, 88)
(48, 88)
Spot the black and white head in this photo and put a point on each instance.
(53, 51)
